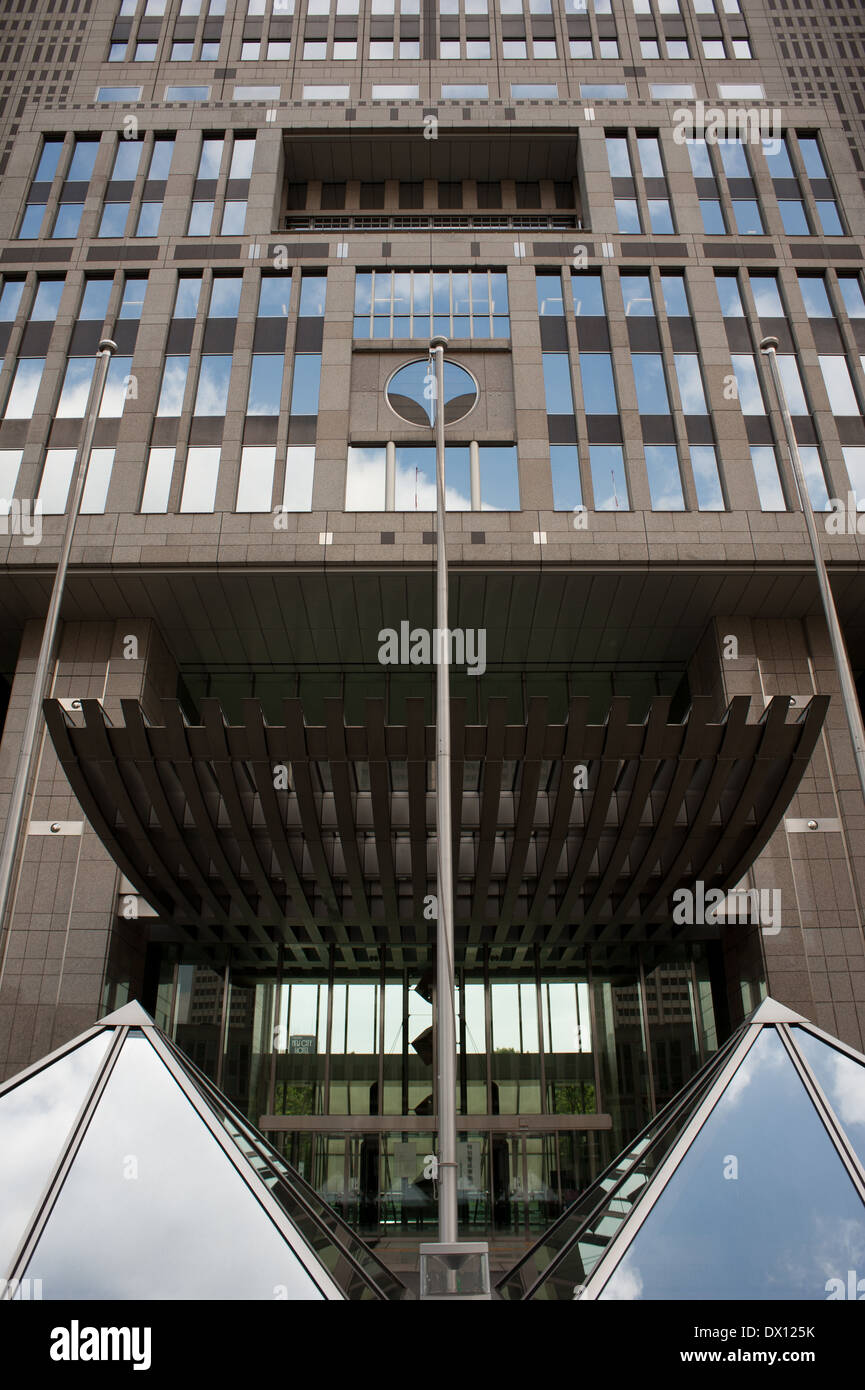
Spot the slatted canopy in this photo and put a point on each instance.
(257, 834)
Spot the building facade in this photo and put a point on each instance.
(270, 207)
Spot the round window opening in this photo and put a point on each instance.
(410, 393)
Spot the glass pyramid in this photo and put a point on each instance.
(749, 1185)
(125, 1174)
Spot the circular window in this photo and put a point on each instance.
(410, 393)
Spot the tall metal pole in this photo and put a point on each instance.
(769, 348)
(44, 661)
(446, 1034)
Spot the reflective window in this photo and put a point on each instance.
(211, 157)
(233, 218)
(690, 383)
(665, 480)
(242, 157)
(830, 220)
(25, 387)
(265, 386)
(199, 479)
(748, 391)
(851, 293)
(588, 294)
(765, 465)
(313, 291)
(116, 383)
(68, 220)
(46, 305)
(48, 161)
(565, 466)
(255, 484)
(299, 474)
(225, 297)
(56, 477)
(98, 480)
(76, 387)
(809, 148)
(815, 478)
(649, 151)
(791, 381)
(839, 387)
(627, 215)
(94, 301)
(174, 375)
(704, 466)
(113, 220)
(10, 300)
(416, 304)
(814, 296)
(746, 214)
(557, 383)
(200, 218)
(618, 157)
(148, 219)
(608, 477)
(734, 159)
(675, 296)
(365, 479)
(713, 216)
(81, 168)
(767, 300)
(777, 158)
(701, 161)
(637, 296)
(652, 398)
(793, 217)
(274, 296)
(188, 295)
(157, 482)
(500, 488)
(213, 378)
(549, 290)
(854, 462)
(126, 160)
(599, 391)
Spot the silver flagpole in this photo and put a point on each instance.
(27, 751)
(769, 348)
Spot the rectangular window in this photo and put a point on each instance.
(10, 300)
(186, 93)
(500, 487)
(114, 395)
(599, 391)
(814, 297)
(565, 467)
(242, 156)
(729, 298)
(46, 304)
(701, 160)
(113, 220)
(255, 485)
(200, 218)
(265, 384)
(652, 398)
(210, 159)
(690, 383)
(704, 466)
(365, 479)
(157, 483)
(748, 391)
(126, 161)
(767, 299)
(233, 217)
(200, 478)
(713, 217)
(618, 158)
(793, 218)
(746, 214)
(549, 292)
(313, 292)
(765, 466)
(274, 296)
(637, 296)
(118, 94)
(299, 473)
(49, 161)
(160, 159)
(400, 304)
(188, 295)
(94, 301)
(609, 485)
(839, 387)
(588, 293)
(148, 219)
(67, 221)
(174, 376)
(815, 478)
(95, 493)
(854, 462)
(54, 484)
(83, 159)
(213, 378)
(557, 383)
(627, 215)
(665, 480)
(76, 387)
(225, 297)
(660, 216)
(809, 147)
(851, 293)
(25, 387)
(791, 381)
(675, 296)
(830, 221)
(306, 383)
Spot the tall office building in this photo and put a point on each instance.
(270, 207)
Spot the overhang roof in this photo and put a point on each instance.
(339, 848)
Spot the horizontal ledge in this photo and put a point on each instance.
(427, 1124)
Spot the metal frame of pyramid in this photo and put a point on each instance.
(339, 1265)
(622, 1198)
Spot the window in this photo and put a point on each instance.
(113, 223)
(637, 296)
(618, 157)
(713, 217)
(117, 52)
(500, 489)
(279, 49)
(742, 48)
(741, 91)
(809, 148)
(793, 217)
(313, 291)
(814, 297)
(660, 216)
(274, 296)
(675, 296)
(678, 48)
(199, 480)
(854, 462)
(68, 220)
(134, 290)
(157, 482)
(225, 297)
(305, 383)
(344, 49)
(181, 52)
(118, 94)
(767, 299)
(588, 295)
(396, 92)
(96, 485)
(713, 48)
(665, 480)
(649, 48)
(83, 159)
(734, 159)
(148, 219)
(549, 292)
(649, 152)
(10, 464)
(599, 391)
(94, 301)
(603, 91)
(242, 157)
(200, 218)
(412, 304)
(210, 159)
(76, 387)
(10, 300)
(788, 370)
(365, 479)
(527, 91)
(212, 395)
(54, 484)
(255, 484)
(748, 391)
(730, 300)
(187, 94)
(746, 214)
(265, 383)
(830, 221)
(25, 387)
(114, 395)
(452, 91)
(160, 159)
(627, 215)
(126, 161)
(188, 295)
(839, 387)
(557, 383)
(851, 293)
(690, 382)
(46, 304)
(609, 485)
(580, 48)
(707, 482)
(565, 468)
(174, 375)
(329, 93)
(233, 218)
(768, 480)
(652, 398)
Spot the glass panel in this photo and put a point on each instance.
(188, 295)
(749, 395)
(514, 1061)
(10, 299)
(500, 488)
(767, 300)
(46, 305)
(609, 485)
(599, 391)
(665, 480)
(76, 387)
(565, 465)
(588, 296)
(134, 291)
(265, 384)
(814, 296)
(306, 383)
(637, 296)
(811, 157)
(274, 296)
(557, 383)
(94, 303)
(157, 484)
(690, 383)
(770, 1239)
(195, 1227)
(35, 1118)
(255, 485)
(815, 478)
(768, 480)
(199, 480)
(843, 1080)
(173, 386)
(365, 479)
(851, 293)
(211, 158)
(839, 387)
(299, 474)
(704, 466)
(675, 296)
(212, 395)
(652, 398)
(788, 370)
(97, 483)
(25, 387)
(225, 297)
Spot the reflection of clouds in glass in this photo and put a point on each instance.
(364, 487)
(626, 1284)
(213, 386)
(76, 386)
(173, 386)
(35, 1119)
(758, 1062)
(416, 491)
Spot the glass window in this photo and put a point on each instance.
(839, 387)
(160, 159)
(814, 297)
(54, 484)
(527, 91)
(599, 391)
(851, 293)
(225, 297)
(652, 398)
(815, 478)
(675, 296)
(627, 215)
(250, 51)
(46, 305)
(793, 217)
(76, 387)
(588, 294)
(313, 291)
(31, 222)
(126, 160)
(748, 385)
(637, 296)
(281, 49)
(729, 297)
(649, 48)
(809, 148)
(255, 485)
(603, 91)
(690, 383)
(765, 466)
(766, 297)
(212, 395)
(791, 381)
(678, 48)
(265, 386)
(452, 91)
(113, 221)
(174, 375)
(233, 218)
(707, 482)
(778, 159)
(609, 485)
(181, 52)
(116, 383)
(565, 466)
(713, 48)
(98, 480)
(242, 157)
(549, 290)
(365, 479)
(210, 158)
(81, 168)
(274, 296)
(618, 157)
(580, 48)
(305, 383)
(48, 161)
(157, 483)
(746, 214)
(734, 159)
(299, 474)
(199, 479)
(148, 219)
(68, 220)
(557, 383)
(94, 301)
(25, 387)
(854, 462)
(186, 94)
(701, 160)
(830, 221)
(500, 488)
(118, 94)
(649, 151)
(188, 294)
(10, 300)
(665, 480)
(713, 217)
(200, 219)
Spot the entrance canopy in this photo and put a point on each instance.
(125, 1174)
(749, 1185)
(256, 834)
